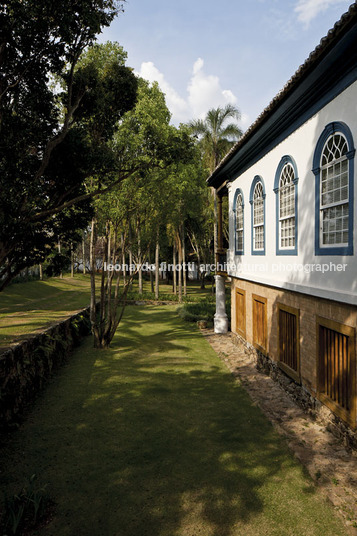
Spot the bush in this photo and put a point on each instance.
(203, 310)
(25, 510)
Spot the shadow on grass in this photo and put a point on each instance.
(152, 437)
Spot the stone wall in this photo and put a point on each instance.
(25, 367)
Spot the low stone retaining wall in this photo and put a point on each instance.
(26, 366)
(301, 396)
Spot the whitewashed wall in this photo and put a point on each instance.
(286, 271)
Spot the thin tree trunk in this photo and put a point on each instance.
(174, 274)
(157, 268)
(41, 272)
(179, 248)
(109, 254)
(184, 273)
(59, 251)
(93, 315)
(123, 259)
(72, 260)
(111, 313)
(151, 278)
(83, 255)
(130, 255)
(103, 282)
(140, 261)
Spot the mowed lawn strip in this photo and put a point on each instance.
(27, 307)
(154, 437)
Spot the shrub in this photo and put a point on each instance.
(203, 310)
(26, 509)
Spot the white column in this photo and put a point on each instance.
(220, 318)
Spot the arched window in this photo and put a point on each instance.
(257, 200)
(238, 208)
(334, 156)
(285, 188)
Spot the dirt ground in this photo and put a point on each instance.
(327, 461)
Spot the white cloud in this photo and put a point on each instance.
(203, 92)
(307, 10)
(176, 104)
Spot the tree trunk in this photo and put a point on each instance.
(152, 287)
(109, 254)
(41, 272)
(174, 274)
(93, 315)
(140, 261)
(131, 271)
(59, 251)
(123, 259)
(72, 260)
(179, 248)
(157, 268)
(103, 282)
(184, 272)
(83, 255)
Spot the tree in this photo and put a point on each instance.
(50, 140)
(146, 147)
(216, 136)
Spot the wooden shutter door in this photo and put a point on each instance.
(260, 323)
(240, 312)
(336, 368)
(288, 340)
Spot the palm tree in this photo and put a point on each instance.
(216, 137)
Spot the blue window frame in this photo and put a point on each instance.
(333, 167)
(238, 209)
(257, 201)
(286, 196)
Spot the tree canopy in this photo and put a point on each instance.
(51, 106)
(216, 136)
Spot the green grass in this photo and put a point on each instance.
(31, 306)
(27, 307)
(154, 437)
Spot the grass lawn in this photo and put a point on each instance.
(27, 307)
(154, 437)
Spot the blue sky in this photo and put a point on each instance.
(207, 53)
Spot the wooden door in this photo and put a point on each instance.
(288, 340)
(240, 313)
(336, 360)
(260, 336)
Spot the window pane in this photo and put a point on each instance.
(287, 207)
(334, 192)
(258, 217)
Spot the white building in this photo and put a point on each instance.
(291, 182)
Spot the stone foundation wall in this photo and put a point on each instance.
(26, 366)
(301, 396)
